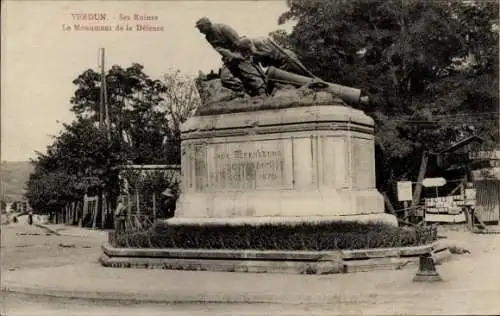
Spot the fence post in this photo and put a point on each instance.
(75, 209)
(85, 209)
(129, 205)
(70, 217)
(104, 210)
(154, 206)
(95, 205)
(138, 211)
(66, 214)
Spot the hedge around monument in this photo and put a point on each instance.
(304, 236)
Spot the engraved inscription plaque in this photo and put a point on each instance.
(254, 165)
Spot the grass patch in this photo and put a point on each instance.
(304, 236)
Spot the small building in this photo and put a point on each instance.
(465, 162)
(457, 157)
(486, 180)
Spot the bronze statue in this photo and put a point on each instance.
(238, 73)
(268, 53)
(242, 72)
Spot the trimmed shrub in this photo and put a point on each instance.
(304, 236)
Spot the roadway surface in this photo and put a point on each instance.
(471, 282)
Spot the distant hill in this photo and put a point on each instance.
(14, 175)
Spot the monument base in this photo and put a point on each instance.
(280, 203)
(294, 244)
(265, 261)
(315, 160)
(382, 218)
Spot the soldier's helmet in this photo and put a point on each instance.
(204, 21)
(245, 44)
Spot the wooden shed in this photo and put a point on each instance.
(487, 184)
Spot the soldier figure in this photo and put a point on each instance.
(238, 73)
(265, 51)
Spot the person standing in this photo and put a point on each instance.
(168, 204)
(120, 215)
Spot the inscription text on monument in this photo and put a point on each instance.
(247, 167)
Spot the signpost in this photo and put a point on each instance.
(433, 182)
(470, 195)
(405, 194)
(469, 202)
(404, 191)
(485, 155)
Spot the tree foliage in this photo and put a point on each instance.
(133, 99)
(145, 117)
(429, 67)
(81, 159)
(180, 99)
(145, 113)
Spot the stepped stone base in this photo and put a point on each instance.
(266, 261)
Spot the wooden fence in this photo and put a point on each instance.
(141, 203)
(84, 213)
(488, 200)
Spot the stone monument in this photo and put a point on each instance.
(278, 175)
(299, 153)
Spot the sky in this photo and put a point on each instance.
(41, 58)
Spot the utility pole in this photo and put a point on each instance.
(102, 96)
(104, 121)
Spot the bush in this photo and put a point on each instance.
(305, 236)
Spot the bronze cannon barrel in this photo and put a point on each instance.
(347, 94)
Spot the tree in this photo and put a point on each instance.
(419, 61)
(133, 99)
(145, 113)
(50, 191)
(180, 99)
(145, 116)
(81, 158)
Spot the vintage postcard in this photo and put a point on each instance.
(298, 157)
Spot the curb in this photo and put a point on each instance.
(268, 261)
(172, 297)
(486, 231)
(169, 297)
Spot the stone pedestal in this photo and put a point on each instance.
(298, 162)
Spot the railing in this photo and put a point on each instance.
(138, 223)
(135, 226)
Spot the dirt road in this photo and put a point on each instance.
(25, 246)
(471, 283)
